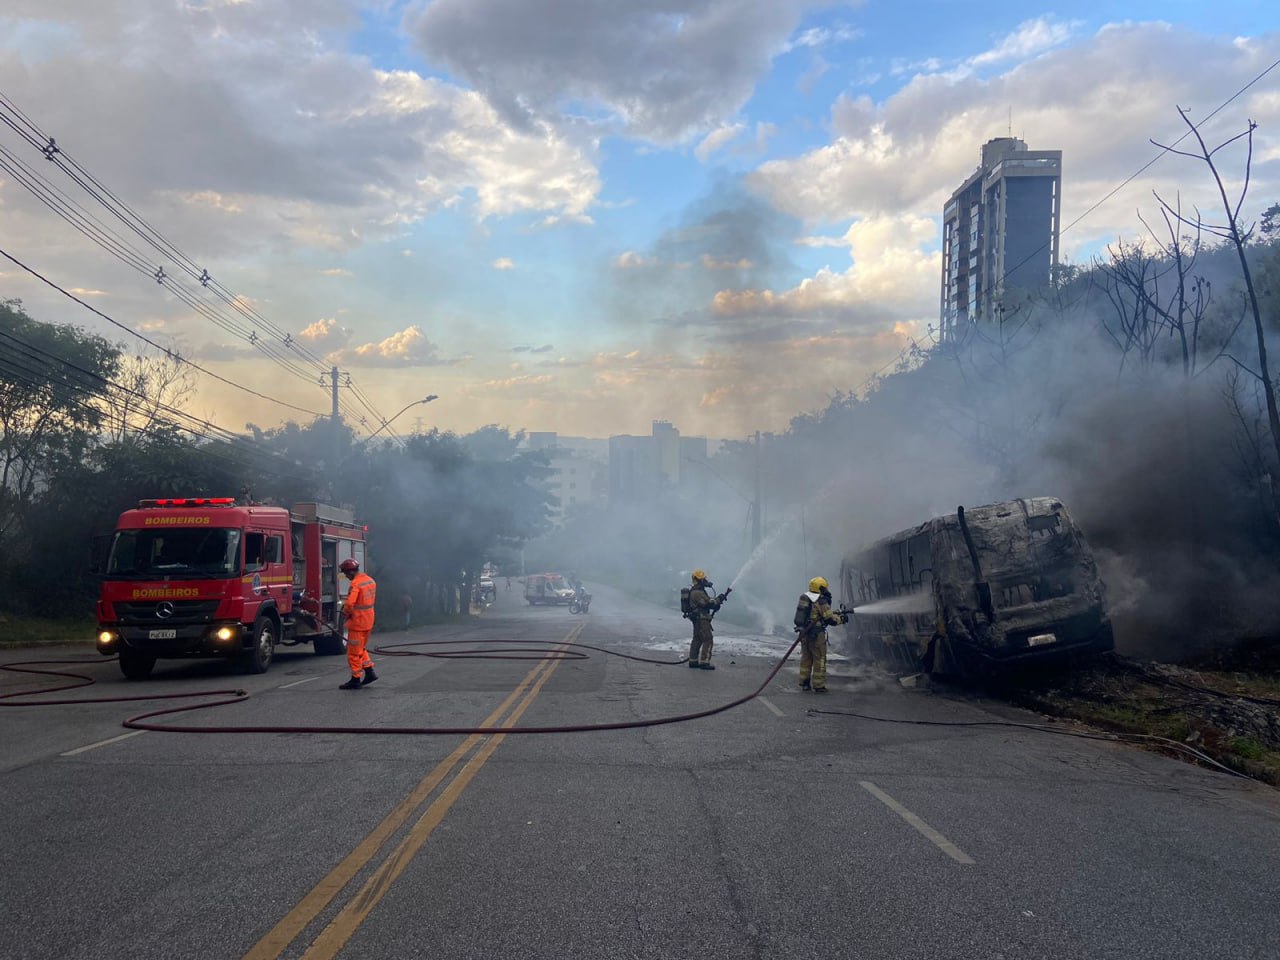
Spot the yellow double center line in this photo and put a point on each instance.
(344, 925)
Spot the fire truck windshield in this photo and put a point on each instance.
(182, 552)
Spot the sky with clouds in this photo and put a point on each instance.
(582, 215)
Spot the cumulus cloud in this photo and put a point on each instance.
(630, 260)
(1098, 100)
(891, 280)
(405, 348)
(504, 263)
(270, 140)
(324, 335)
(663, 72)
(253, 137)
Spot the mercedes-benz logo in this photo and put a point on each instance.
(164, 609)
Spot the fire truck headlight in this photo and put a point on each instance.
(225, 633)
(106, 640)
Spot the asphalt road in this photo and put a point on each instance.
(762, 831)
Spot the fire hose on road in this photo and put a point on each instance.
(524, 650)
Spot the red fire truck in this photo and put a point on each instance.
(207, 577)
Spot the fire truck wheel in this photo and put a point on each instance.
(258, 659)
(134, 665)
(330, 645)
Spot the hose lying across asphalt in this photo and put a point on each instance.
(524, 651)
(24, 666)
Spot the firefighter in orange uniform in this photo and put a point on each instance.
(358, 610)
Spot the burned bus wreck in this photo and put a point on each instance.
(978, 591)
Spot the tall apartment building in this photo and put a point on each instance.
(999, 230)
(578, 473)
(642, 468)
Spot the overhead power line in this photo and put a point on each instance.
(94, 310)
(276, 344)
(74, 214)
(40, 363)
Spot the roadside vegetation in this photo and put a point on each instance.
(88, 429)
(1227, 706)
(16, 631)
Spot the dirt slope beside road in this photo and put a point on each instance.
(1228, 708)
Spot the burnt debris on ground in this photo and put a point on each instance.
(1228, 706)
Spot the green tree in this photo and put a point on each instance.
(437, 512)
(52, 379)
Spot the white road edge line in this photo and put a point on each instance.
(295, 683)
(101, 743)
(938, 840)
(776, 711)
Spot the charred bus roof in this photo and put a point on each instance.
(985, 516)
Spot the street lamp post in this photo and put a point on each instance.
(386, 423)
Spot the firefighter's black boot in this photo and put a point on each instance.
(708, 666)
(693, 665)
(352, 684)
(369, 677)
(819, 689)
(804, 685)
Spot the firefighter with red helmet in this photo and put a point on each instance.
(358, 611)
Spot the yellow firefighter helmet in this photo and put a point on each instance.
(817, 584)
(699, 575)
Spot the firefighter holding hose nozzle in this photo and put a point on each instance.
(813, 616)
(702, 607)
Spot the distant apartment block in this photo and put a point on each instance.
(641, 468)
(999, 230)
(578, 473)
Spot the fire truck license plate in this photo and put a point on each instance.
(163, 634)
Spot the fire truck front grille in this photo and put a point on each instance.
(183, 611)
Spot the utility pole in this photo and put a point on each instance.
(335, 419)
(755, 504)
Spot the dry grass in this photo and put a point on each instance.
(1204, 708)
